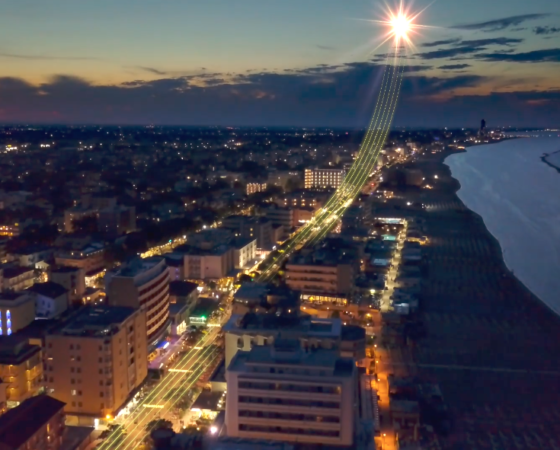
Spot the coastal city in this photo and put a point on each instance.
(293, 225)
(151, 295)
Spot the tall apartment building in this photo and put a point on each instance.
(97, 359)
(21, 366)
(207, 264)
(323, 178)
(144, 284)
(243, 332)
(38, 423)
(283, 393)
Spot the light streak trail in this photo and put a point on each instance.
(170, 381)
(187, 384)
(372, 143)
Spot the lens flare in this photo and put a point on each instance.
(401, 25)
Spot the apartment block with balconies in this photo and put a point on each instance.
(96, 360)
(21, 367)
(284, 393)
(144, 284)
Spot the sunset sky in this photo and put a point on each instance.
(264, 62)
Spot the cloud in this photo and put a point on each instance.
(443, 42)
(499, 24)
(45, 57)
(535, 56)
(449, 52)
(152, 70)
(454, 66)
(325, 47)
(341, 95)
(494, 41)
(546, 30)
(464, 47)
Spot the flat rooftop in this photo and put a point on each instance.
(306, 324)
(95, 321)
(138, 266)
(274, 356)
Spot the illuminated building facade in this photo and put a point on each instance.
(323, 178)
(97, 359)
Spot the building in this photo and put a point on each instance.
(38, 423)
(72, 279)
(210, 238)
(283, 393)
(207, 264)
(51, 299)
(244, 252)
(251, 227)
(144, 284)
(77, 213)
(243, 332)
(253, 188)
(31, 256)
(17, 310)
(321, 271)
(17, 278)
(324, 178)
(97, 359)
(305, 199)
(8, 229)
(90, 257)
(117, 220)
(21, 367)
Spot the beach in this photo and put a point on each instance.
(491, 345)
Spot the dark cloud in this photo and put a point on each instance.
(494, 41)
(152, 70)
(499, 24)
(439, 43)
(454, 66)
(325, 47)
(536, 56)
(464, 47)
(546, 30)
(449, 52)
(45, 57)
(329, 95)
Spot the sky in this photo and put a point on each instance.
(264, 62)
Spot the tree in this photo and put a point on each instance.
(158, 424)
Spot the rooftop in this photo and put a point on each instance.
(283, 352)
(20, 423)
(98, 321)
(303, 323)
(13, 272)
(137, 266)
(65, 269)
(49, 289)
(182, 288)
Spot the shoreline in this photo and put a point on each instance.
(510, 270)
(490, 343)
(544, 159)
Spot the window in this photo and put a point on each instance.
(80, 404)
(79, 392)
(71, 346)
(72, 381)
(74, 392)
(71, 370)
(100, 382)
(101, 394)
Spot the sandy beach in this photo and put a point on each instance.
(491, 345)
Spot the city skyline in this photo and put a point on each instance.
(279, 64)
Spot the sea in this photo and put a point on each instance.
(518, 197)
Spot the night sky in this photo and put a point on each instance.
(283, 62)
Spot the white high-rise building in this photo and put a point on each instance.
(323, 178)
(284, 393)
